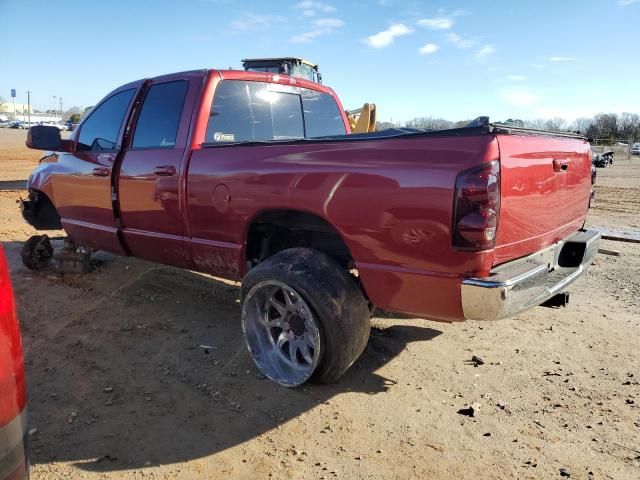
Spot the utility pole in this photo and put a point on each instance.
(60, 99)
(29, 106)
(55, 108)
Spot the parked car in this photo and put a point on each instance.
(18, 124)
(59, 126)
(253, 176)
(71, 126)
(13, 399)
(635, 149)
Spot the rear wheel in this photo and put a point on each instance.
(303, 317)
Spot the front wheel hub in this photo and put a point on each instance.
(281, 333)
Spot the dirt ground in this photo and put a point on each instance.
(121, 386)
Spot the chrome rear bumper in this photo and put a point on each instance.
(530, 281)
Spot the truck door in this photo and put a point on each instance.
(150, 195)
(84, 195)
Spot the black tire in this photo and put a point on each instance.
(37, 252)
(333, 294)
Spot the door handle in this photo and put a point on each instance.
(165, 171)
(101, 172)
(105, 158)
(560, 165)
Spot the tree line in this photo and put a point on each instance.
(623, 126)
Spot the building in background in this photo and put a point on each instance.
(6, 108)
(22, 113)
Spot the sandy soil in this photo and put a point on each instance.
(120, 385)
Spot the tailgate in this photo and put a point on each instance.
(545, 188)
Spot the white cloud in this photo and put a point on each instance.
(311, 7)
(428, 48)
(561, 59)
(536, 65)
(329, 23)
(460, 12)
(438, 23)
(485, 52)
(519, 97)
(624, 3)
(386, 37)
(250, 21)
(516, 78)
(324, 26)
(457, 41)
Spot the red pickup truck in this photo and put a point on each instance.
(255, 177)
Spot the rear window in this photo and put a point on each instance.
(322, 116)
(250, 111)
(159, 119)
(256, 111)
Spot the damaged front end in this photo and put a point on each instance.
(39, 212)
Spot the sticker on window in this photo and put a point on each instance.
(224, 137)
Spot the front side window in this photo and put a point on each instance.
(159, 119)
(100, 131)
(254, 111)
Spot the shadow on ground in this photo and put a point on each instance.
(136, 363)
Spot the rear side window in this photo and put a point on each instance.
(159, 119)
(322, 117)
(254, 111)
(100, 131)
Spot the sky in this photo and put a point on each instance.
(455, 60)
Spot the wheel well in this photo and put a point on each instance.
(40, 212)
(276, 230)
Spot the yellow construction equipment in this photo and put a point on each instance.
(294, 66)
(363, 120)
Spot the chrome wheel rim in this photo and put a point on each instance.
(281, 333)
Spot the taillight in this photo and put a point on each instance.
(12, 385)
(476, 207)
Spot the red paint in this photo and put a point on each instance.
(150, 189)
(13, 394)
(539, 204)
(391, 200)
(12, 383)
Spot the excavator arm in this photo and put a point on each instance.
(363, 120)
